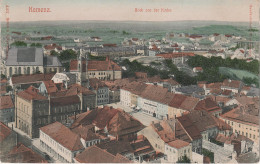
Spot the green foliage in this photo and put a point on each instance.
(54, 53)
(135, 66)
(253, 30)
(3, 76)
(36, 45)
(19, 44)
(215, 62)
(66, 66)
(125, 33)
(213, 140)
(8, 88)
(101, 58)
(184, 159)
(67, 55)
(209, 154)
(250, 81)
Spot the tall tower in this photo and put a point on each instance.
(82, 69)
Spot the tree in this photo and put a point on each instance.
(67, 55)
(19, 44)
(36, 45)
(3, 76)
(184, 159)
(54, 53)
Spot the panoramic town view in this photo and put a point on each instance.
(129, 82)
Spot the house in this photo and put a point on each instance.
(95, 154)
(176, 149)
(197, 69)
(170, 84)
(26, 118)
(23, 154)
(154, 101)
(23, 61)
(60, 141)
(52, 47)
(76, 40)
(168, 135)
(115, 123)
(130, 93)
(209, 106)
(25, 81)
(181, 104)
(34, 110)
(207, 125)
(65, 77)
(101, 90)
(190, 90)
(243, 122)
(7, 139)
(6, 109)
(103, 70)
(48, 87)
(234, 85)
(141, 75)
(177, 57)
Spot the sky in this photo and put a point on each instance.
(124, 10)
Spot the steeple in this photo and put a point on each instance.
(82, 80)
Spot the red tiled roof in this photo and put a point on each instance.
(50, 86)
(171, 81)
(5, 131)
(189, 103)
(95, 65)
(96, 83)
(238, 116)
(31, 78)
(135, 87)
(63, 101)
(177, 100)
(221, 124)
(31, 93)
(103, 116)
(52, 47)
(155, 48)
(134, 39)
(86, 132)
(23, 154)
(227, 92)
(227, 35)
(178, 143)
(95, 154)
(231, 83)
(190, 128)
(122, 123)
(207, 105)
(175, 54)
(198, 68)
(6, 102)
(155, 93)
(63, 135)
(214, 85)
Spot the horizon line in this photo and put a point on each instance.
(130, 21)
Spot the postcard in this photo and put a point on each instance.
(108, 81)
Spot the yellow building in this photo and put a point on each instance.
(243, 123)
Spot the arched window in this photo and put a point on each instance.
(10, 71)
(19, 71)
(37, 69)
(28, 70)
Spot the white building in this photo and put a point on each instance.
(60, 141)
(176, 150)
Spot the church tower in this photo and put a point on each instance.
(82, 69)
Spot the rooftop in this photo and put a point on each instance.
(178, 143)
(4, 132)
(31, 93)
(6, 102)
(31, 78)
(63, 135)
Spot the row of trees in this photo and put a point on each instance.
(23, 44)
(215, 62)
(135, 66)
